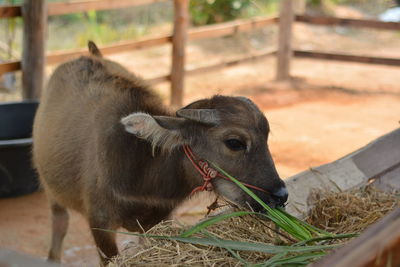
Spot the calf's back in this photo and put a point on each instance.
(79, 142)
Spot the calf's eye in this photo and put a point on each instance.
(235, 144)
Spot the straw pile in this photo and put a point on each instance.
(343, 212)
(350, 212)
(152, 252)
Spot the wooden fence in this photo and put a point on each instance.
(178, 38)
(285, 51)
(35, 13)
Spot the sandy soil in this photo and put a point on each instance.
(329, 110)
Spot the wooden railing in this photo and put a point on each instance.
(178, 39)
(286, 52)
(217, 30)
(10, 11)
(55, 9)
(345, 22)
(212, 31)
(357, 23)
(348, 58)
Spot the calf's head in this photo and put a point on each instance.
(229, 131)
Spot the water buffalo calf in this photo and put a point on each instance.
(106, 146)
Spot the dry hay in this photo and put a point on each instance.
(344, 212)
(350, 212)
(152, 252)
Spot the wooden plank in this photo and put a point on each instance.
(388, 181)
(179, 38)
(219, 30)
(379, 245)
(348, 58)
(286, 17)
(381, 156)
(33, 54)
(160, 79)
(60, 56)
(194, 34)
(82, 6)
(217, 66)
(10, 11)
(345, 22)
(9, 67)
(229, 28)
(230, 63)
(55, 9)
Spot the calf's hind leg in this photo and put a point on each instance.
(60, 220)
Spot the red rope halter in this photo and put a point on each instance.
(208, 173)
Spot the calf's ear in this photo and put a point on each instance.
(161, 131)
(205, 116)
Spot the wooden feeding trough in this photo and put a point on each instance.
(377, 163)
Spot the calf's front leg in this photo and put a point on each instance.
(105, 241)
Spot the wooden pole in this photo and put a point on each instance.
(300, 7)
(286, 18)
(179, 38)
(33, 54)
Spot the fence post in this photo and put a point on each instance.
(179, 38)
(300, 7)
(34, 13)
(286, 17)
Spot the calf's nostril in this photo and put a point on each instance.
(282, 194)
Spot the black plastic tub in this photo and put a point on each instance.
(17, 176)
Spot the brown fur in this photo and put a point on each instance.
(89, 161)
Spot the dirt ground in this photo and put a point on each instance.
(328, 110)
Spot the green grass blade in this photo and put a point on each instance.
(236, 245)
(272, 259)
(297, 228)
(204, 224)
(305, 224)
(245, 246)
(244, 188)
(299, 254)
(297, 260)
(233, 253)
(289, 229)
(288, 225)
(329, 237)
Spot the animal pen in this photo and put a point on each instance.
(34, 59)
